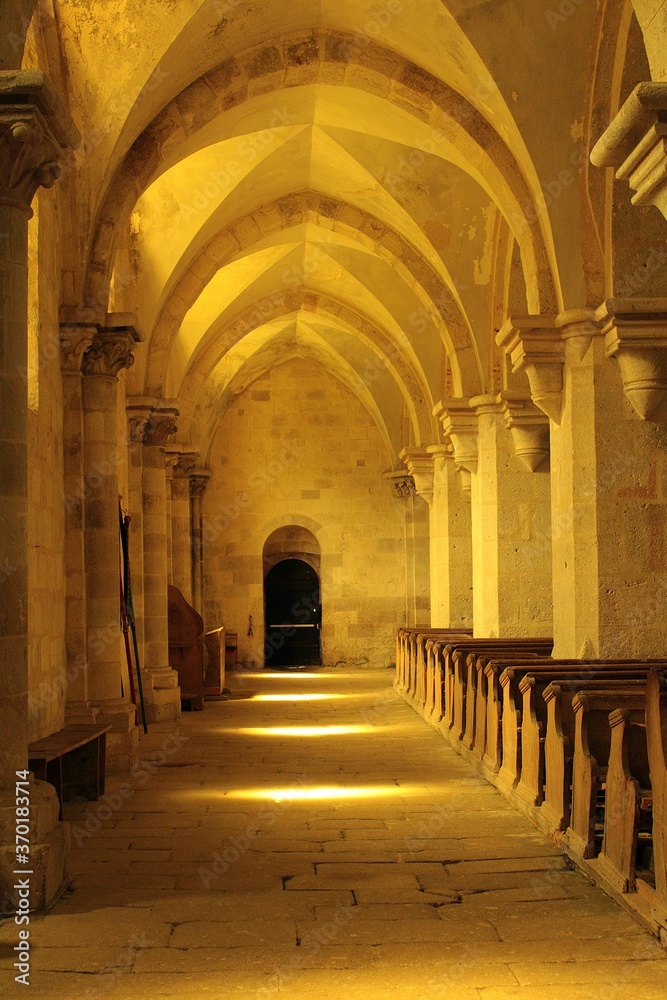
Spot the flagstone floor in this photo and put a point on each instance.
(312, 838)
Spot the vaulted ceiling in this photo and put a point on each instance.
(373, 186)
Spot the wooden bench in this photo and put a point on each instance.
(538, 709)
(72, 760)
(592, 749)
(656, 739)
(558, 747)
(455, 676)
(471, 688)
(512, 697)
(411, 663)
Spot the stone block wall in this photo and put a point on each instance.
(298, 448)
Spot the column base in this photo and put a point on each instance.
(49, 852)
(123, 738)
(81, 713)
(162, 695)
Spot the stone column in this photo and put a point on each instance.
(181, 524)
(163, 696)
(111, 351)
(510, 518)
(608, 441)
(439, 484)
(198, 484)
(138, 412)
(34, 132)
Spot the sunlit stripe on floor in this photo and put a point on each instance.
(306, 730)
(315, 794)
(300, 697)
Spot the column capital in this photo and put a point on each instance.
(75, 339)
(419, 463)
(402, 486)
(139, 409)
(529, 427)
(35, 131)
(151, 421)
(109, 352)
(161, 424)
(539, 344)
(636, 144)
(635, 332)
(183, 462)
(198, 483)
(534, 343)
(460, 427)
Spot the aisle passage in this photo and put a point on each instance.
(312, 838)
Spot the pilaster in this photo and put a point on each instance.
(510, 517)
(198, 483)
(76, 336)
(184, 463)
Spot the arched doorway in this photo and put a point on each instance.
(293, 615)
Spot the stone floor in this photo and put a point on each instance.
(322, 843)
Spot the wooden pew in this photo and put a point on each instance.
(476, 687)
(427, 695)
(464, 673)
(627, 784)
(592, 748)
(415, 676)
(535, 715)
(509, 774)
(656, 739)
(454, 682)
(487, 737)
(561, 737)
(492, 754)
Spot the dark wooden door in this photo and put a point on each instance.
(293, 615)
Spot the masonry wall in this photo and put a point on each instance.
(298, 448)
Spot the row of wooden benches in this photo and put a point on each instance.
(580, 746)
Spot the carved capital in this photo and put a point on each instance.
(419, 464)
(109, 353)
(636, 144)
(75, 339)
(635, 332)
(402, 486)
(170, 463)
(182, 463)
(198, 483)
(160, 426)
(529, 427)
(460, 427)
(34, 133)
(139, 409)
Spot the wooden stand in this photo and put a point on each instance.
(186, 654)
